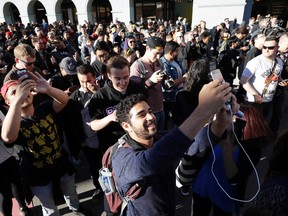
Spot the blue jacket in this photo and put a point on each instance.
(155, 166)
(170, 96)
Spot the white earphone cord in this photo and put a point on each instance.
(214, 159)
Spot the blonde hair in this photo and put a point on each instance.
(128, 52)
(24, 50)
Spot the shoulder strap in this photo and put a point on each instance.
(142, 71)
(269, 78)
(88, 101)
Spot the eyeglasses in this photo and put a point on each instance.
(132, 41)
(269, 47)
(27, 63)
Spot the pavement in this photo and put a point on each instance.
(85, 187)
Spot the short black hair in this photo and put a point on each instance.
(102, 45)
(58, 37)
(205, 34)
(171, 46)
(124, 107)
(85, 69)
(231, 40)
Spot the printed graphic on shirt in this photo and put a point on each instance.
(110, 110)
(42, 141)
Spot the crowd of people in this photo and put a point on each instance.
(89, 85)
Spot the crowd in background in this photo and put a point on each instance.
(169, 62)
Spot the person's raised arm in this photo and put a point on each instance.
(211, 99)
(60, 98)
(98, 124)
(11, 123)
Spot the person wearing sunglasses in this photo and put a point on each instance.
(25, 57)
(261, 76)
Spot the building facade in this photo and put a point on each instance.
(104, 11)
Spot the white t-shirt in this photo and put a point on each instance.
(257, 71)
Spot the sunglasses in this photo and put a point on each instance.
(269, 47)
(27, 63)
(132, 41)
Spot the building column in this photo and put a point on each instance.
(248, 10)
(123, 10)
(82, 17)
(218, 11)
(25, 19)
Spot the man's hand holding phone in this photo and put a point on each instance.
(217, 75)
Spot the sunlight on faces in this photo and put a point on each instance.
(26, 62)
(155, 54)
(101, 55)
(132, 43)
(86, 80)
(142, 121)
(119, 78)
(269, 49)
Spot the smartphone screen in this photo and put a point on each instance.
(216, 74)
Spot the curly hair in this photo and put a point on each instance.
(197, 75)
(124, 107)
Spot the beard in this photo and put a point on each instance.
(144, 132)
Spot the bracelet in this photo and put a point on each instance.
(149, 83)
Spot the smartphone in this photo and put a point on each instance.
(23, 73)
(216, 74)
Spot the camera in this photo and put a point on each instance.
(167, 83)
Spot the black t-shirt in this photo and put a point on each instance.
(103, 103)
(43, 158)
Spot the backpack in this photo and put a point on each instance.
(108, 183)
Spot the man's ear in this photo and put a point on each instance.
(108, 75)
(16, 60)
(126, 126)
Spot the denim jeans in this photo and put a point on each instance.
(45, 195)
